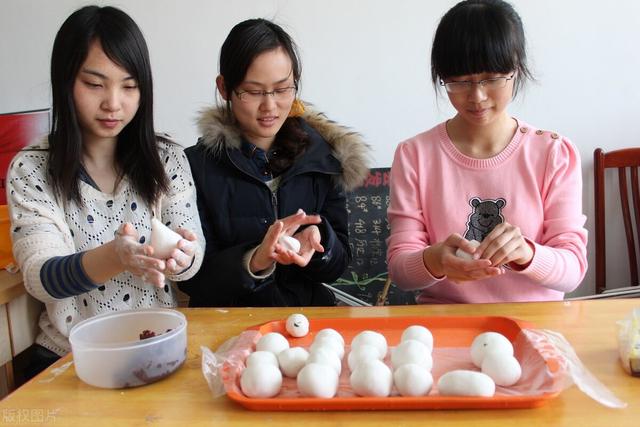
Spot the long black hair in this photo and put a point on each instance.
(245, 42)
(136, 154)
(480, 36)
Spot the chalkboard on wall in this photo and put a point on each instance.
(368, 232)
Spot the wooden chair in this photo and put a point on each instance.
(623, 160)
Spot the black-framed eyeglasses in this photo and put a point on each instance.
(255, 96)
(487, 84)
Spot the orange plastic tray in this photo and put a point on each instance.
(447, 332)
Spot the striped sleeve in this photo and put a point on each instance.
(64, 277)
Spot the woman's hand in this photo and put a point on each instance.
(441, 260)
(182, 256)
(267, 253)
(135, 257)
(506, 245)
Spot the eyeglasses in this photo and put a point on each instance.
(255, 96)
(487, 84)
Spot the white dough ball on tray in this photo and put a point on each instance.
(331, 333)
(330, 344)
(373, 338)
(412, 380)
(489, 341)
(466, 383)
(261, 358)
(419, 333)
(291, 360)
(411, 351)
(361, 354)
(317, 380)
(261, 381)
(273, 342)
(505, 370)
(297, 325)
(327, 357)
(372, 378)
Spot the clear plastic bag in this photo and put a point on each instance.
(629, 342)
(549, 366)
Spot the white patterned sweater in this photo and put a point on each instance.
(42, 228)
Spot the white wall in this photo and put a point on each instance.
(365, 63)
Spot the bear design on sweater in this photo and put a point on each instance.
(484, 216)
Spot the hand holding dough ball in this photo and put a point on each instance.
(412, 380)
(373, 338)
(419, 333)
(466, 383)
(361, 354)
(261, 358)
(461, 253)
(372, 378)
(273, 342)
(331, 333)
(163, 239)
(325, 356)
(261, 381)
(289, 243)
(486, 342)
(317, 380)
(328, 343)
(297, 325)
(411, 351)
(291, 360)
(504, 369)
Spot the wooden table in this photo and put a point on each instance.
(184, 399)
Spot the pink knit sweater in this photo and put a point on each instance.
(535, 183)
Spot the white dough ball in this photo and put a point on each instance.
(419, 333)
(412, 380)
(317, 380)
(273, 342)
(261, 358)
(325, 356)
(163, 239)
(489, 341)
(297, 325)
(372, 378)
(373, 338)
(411, 351)
(289, 243)
(466, 383)
(328, 332)
(361, 354)
(464, 254)
(261, 381)
(328, 343)
(505, 370)
(291, 360)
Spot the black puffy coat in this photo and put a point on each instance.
(236, 209)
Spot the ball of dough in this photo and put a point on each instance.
(328, 332)
(328, 343)
(466, 383)
(372, 378)
(289, 243)
(261, 358)
(291, 360)
(273, 342)
(505, 370)
(412, 380)
(464, 254)
(163, 239)
(419, 333)
(489, 341)
(325, 356)
(361, 354)
(317, 380)
(261, 381)
(297, 325)
(411, 351)
(373, 338)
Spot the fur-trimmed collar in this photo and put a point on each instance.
(347, 146)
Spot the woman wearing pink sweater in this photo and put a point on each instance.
(485, 176)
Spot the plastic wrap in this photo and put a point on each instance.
(549, 366)
(629, 342)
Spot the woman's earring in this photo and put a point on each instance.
(297, 108)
